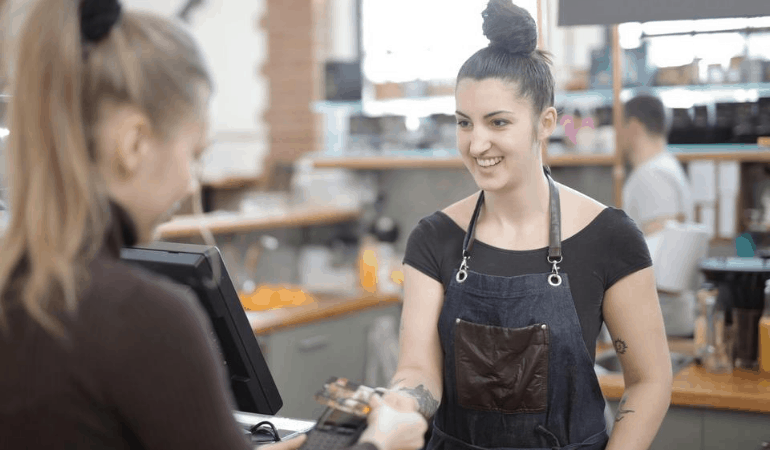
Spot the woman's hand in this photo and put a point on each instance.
(393, 429)
(291, 444)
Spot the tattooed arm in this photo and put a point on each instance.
(417, 383)
(632, 313)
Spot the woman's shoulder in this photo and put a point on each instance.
(587, 216)
(460, 212)
(116, 286)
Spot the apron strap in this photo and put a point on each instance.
(468, 241)
(554, 246)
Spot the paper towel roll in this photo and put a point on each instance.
(680, 249)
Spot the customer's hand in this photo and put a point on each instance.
(391, 429)
(401, 401)
(291, 444)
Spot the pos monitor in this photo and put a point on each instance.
(250, 379)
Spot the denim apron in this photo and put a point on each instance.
(517, 374)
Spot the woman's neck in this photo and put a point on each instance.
(520, 206)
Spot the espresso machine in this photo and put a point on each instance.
(740, 282)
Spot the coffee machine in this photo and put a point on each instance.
(740, 282)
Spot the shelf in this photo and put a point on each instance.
(696, 94)
(235, 182)
(721, 152)
(218, 223)
(440, 160)
(572, 160)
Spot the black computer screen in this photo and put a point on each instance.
(252, 384)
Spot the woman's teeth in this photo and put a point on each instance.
(488, 162)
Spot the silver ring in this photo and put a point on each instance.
(461, 276)
(557, 261)
(554, 279)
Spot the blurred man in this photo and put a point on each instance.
(657, 189)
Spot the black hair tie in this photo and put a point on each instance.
(97, 18)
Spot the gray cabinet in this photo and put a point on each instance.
(301, 359)
(709, 429)
(734, 430)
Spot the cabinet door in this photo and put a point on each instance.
(301, 359)
(682, 429)
(735, 430)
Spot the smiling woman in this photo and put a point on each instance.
(506, 290)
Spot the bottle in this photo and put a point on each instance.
(706, 299)
(386, 231)
(716, 357)
(764, 333)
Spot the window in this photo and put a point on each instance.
(405, 40)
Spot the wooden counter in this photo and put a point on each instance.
(325, 307)
(694, 387)
(187, 226)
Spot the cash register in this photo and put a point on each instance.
(203, 270)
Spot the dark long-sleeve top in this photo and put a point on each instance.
(138, 370)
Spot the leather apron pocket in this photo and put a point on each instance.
(501, 369)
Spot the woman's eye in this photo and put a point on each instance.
(499, 122)
(462, 123)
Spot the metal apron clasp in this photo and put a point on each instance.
(462, 274)
(554, 279)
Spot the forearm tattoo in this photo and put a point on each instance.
(620, 346)
(622, 412)
(428, 405)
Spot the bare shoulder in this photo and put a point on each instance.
(578, 210)
(462, 211)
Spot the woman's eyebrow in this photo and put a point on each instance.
(486, 116)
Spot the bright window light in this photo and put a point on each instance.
(405, 40)
(4, 132)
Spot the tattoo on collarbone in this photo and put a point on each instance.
(427, 403)
(622, 412)
(620, 346)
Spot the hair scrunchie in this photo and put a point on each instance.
(97, 18)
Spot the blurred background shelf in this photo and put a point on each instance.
(447, 159)
(445, 104)
(226, 223)
(235, 182)
(727, 152)
(439, 160)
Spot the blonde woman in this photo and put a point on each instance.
(108, 115)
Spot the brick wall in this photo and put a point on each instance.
(293, 67)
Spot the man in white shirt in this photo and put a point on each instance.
(657, 189)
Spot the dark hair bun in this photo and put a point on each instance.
(509, 27)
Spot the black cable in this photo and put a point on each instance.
(255, 430)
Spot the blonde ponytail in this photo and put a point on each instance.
(58, 207)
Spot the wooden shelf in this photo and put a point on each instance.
(186, 226)
(569, 160)
(236, 182)
(324, 307)
(737, 155)
(388, 162)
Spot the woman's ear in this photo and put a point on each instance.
(133, 143)
(548, 122)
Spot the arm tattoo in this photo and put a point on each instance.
(621, 411)
(427, 403)
(620, 346)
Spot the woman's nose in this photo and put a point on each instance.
(480, 143)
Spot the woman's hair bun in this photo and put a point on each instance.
(509, 27)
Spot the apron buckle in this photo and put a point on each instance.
(554, 279)
(462, 274)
